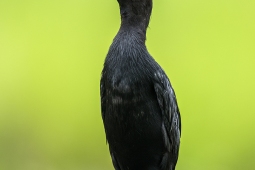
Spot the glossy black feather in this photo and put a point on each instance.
(139, 107)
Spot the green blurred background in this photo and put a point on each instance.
(51, 57)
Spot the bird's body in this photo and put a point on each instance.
(139, 108)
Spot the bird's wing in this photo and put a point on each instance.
(171, 125)
(103, 100)
(115, 161)
(102, 94)
(103, 110)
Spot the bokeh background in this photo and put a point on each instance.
(51, 57)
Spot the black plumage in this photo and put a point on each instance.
(139, 108)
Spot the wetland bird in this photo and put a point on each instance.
(139, 107)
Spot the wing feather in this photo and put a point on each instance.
(171, 124)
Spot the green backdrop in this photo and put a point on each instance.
(51, 57)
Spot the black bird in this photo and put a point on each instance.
(139, 108)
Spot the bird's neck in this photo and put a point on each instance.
(135, 17)
(132, 35)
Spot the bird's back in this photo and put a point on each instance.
(132, 118)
